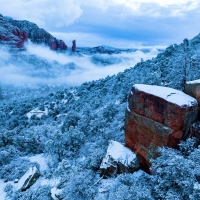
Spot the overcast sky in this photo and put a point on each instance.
(125, 23)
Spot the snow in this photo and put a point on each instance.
(105, 185)
(117, 102)
(37, 112)
(50, 182)
(119, 153)
(2, 193)
(171, 95)
(64, 101)
(128, 109)
(193, 82)
(139, 173)
(41, 160)
(30, 172)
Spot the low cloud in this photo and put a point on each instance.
(55, 68)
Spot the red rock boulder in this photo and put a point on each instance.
(156, 117)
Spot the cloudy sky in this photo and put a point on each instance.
(120, 23)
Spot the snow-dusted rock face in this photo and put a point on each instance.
(119, 159)
(28, 179)
(11, 36)
(14, 33)
(192, 88)
(157, 116)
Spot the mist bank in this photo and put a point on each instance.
(38, 65)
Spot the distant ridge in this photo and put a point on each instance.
(14, 33)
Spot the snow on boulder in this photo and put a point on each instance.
(157, 116)
(119, 159)
(28, 179)
(192, 88)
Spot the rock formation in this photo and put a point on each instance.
(157, 116)
(28, 179)
(13, 33)
(119, 159)
(192, 88)
(74, 46)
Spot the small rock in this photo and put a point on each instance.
(29, 178)
(119, 159)
(16, 180)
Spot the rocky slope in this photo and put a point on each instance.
(14, 33)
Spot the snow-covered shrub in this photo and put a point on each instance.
(188, 146)
(196, 192)
(127, 187)
(173, 175)
(79, 184)
(195, 157)
(15, 169)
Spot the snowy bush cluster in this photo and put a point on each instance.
(76, 126)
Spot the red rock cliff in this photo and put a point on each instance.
(156, 117)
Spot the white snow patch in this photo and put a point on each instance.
(119, 153)
(128, 109)
(64, 101)
(139, 173)
(41, 160)
(74, 93)
(117, 102)
(193, 82)
(2, 193)
(171, 95)
(50, 182)
(37, 112)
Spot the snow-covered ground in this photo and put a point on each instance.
(2, 193)
(37, 112)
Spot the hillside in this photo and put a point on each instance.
(14, 33)
(66, 133)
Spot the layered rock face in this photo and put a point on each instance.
(14, 33)
(157, 116)
(192, 88)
